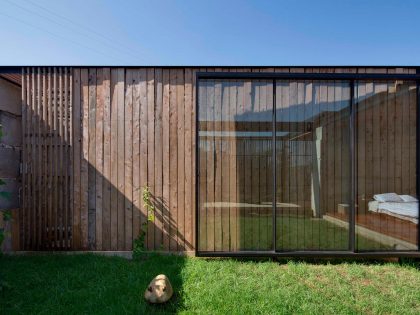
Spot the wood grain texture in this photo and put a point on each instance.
(44, 167)
(158, 160)
(188, 161)
(120, 159)
(128, 159)
(173, 160)
(143, 146)
(92, 160)
(136, 156)
(106, 181)
(84, 165)
(38, 160)
(165, 159)
(151, 149)
(180, 105)
(115, 90)
(25, 182)
(77, 140)
(66, 160)
(99, 134)
(70, 146)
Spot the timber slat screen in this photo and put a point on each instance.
(46, 217)
(94, 137)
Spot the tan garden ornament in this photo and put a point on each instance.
(159, 290)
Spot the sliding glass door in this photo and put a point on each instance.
(235, 165)
(305, 165)
(312, 165)
(387, 210)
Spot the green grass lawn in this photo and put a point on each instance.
(89, 284)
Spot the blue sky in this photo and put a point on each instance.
(93, 32)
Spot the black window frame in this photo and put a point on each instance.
(351, 78)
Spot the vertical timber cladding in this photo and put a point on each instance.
(93, 139)
(133, 128)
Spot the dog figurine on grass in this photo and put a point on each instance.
(159, 290)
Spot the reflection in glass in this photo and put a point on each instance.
(387, 207)
(312, 156)
(309, 162)
(235, 157)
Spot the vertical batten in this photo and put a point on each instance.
(165, 158)
(99, 145)
(50, 160)
(44, 132)
(92, 160)
(31, 202)
(70, 158)
(173, 161)
(120, 159)
(106, 198)
(128, 167)
(76, 174)
(136, 156)
(22, 213)
(151, 150)
(38, 157)
(188, 162)
(143, 145)
(65, 169)
(194, 170)
(115, 90)
(84, 165)
(180, 104)
(158, 160)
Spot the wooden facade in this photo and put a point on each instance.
(94, 137)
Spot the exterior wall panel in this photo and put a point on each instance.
(109, 132)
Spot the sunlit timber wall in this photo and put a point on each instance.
(93, 138)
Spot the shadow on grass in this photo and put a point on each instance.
(86, 284)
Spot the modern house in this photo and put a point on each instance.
(251, 161)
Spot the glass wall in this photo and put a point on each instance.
(387, 207)
(235, 158)
(313, 166)
(290, 165)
